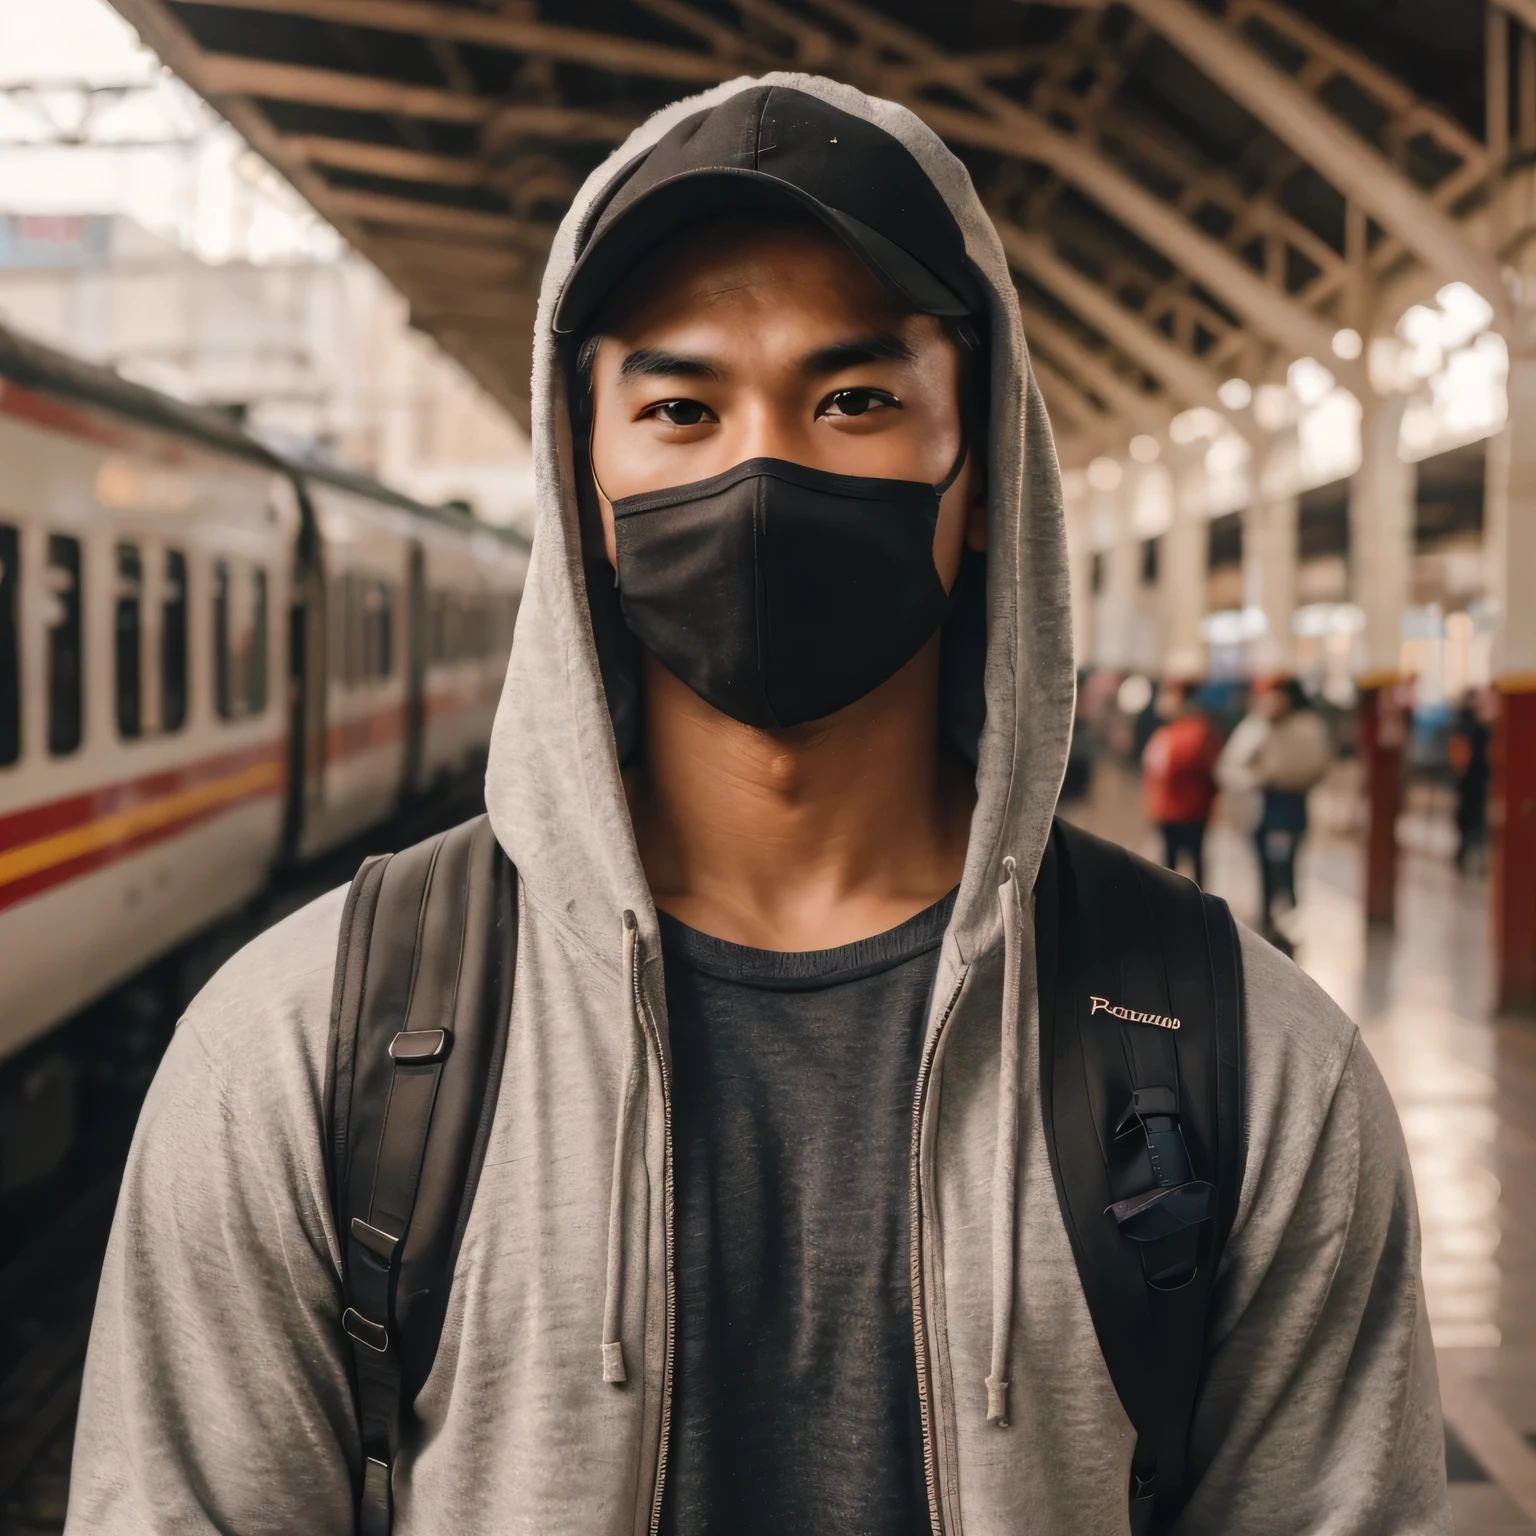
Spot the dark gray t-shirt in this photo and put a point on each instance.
(795, 1391)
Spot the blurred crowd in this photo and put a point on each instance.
(1254, 751)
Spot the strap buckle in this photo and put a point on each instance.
(376, 1240)
(370, 1335)
(1159, 1213)
(415, 1047)
(1146, 1102)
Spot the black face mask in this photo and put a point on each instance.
(779, 593)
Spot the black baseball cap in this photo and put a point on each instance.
(772, 146)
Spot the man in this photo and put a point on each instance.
(1178, 775)
(1469, 750)
(1290, 762)
(781, 738)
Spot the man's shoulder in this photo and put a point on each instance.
(262, 1022)
(1309, 1085)
(1293, 1031)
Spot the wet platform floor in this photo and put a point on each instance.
(1465, 1085)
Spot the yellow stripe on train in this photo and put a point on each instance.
(123, 826)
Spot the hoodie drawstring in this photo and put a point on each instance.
(1005, 1167)
(613, 1290)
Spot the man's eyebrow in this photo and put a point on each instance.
(653, 362)
(881, 347)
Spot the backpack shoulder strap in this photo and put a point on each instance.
(1141, 1082)
(420, 1010)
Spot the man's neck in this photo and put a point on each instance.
(801, 839)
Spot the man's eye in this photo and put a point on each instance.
(856, 402)
(681, 413)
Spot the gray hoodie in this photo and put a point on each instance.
(216, 1394)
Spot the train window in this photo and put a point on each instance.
(223, 659)
(239, 641)
(378, 629)
(127, 641)
(437, 644)
(386, 623)
(358, 590)
(370, 594)
(367, 621)
(65, 646)
(256, 671)
(10, 648)
(173, 643)
(351, 619)
(342, 602)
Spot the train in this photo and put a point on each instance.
(217, 660)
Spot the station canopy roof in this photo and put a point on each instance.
(1188, 190)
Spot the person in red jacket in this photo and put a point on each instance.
(1178, 778)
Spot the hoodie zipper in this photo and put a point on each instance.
(649, 1023)
(919, 1320)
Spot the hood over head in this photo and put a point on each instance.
(567, 718)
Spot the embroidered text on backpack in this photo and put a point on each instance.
(1130, 1015)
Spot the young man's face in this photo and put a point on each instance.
(768, 339)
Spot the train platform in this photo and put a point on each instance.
(1465, 1084)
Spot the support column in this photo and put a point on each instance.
(1076, 514)
(1115, 607)
(1269, 554)
(1381, 514)
(1183, 574)
(1510, 532)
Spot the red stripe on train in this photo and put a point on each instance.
(33, 822)
(44, 411)
(383, 728)
(71, 869)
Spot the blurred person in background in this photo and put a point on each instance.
(1242, 796)
(1288, 760)
(1146, 720)
(1178, 775)
(1471, 736)
(1078, 779)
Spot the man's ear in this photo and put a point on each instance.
(976, 514)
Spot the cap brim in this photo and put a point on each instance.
(693, 196)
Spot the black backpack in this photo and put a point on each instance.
(1141, 1079)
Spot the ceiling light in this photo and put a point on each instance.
(1145, 449)
(1348, 344)
(1191, 425)
(1236, 394)
(1105, 474)
(1227, 455)
(1310, 382)
(1467, 313)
